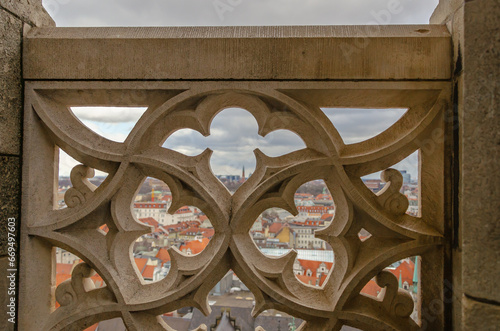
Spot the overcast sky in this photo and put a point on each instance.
(237, 12)
(233, 144)
(234, 135)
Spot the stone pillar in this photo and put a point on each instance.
(475, 28)
(16, 17)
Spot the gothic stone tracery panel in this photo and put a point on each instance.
(293, 106)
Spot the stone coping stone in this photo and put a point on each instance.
(394, 52)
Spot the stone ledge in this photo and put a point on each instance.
(418, 52)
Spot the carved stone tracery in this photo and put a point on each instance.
(394, 235)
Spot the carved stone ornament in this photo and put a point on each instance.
(172, 106)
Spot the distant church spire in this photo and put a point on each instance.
(153, 194)
(243, 174)
(415, 276)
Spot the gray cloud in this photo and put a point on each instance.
(109, 114)
(355, 125)
(237, 12)
(234, 137)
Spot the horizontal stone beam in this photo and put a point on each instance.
(409, 52)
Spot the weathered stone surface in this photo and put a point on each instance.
(277, 53)
(9, 196)
(10, 83)
(480, 316)
(30, 11)
(454, 292)
(445, 11)
(13, 15)
(480, 153)
(280, 105)
(4, 295)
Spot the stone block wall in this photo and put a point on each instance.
(475, 28)
(16, 17)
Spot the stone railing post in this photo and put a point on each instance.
(475, 230)
(16, 17)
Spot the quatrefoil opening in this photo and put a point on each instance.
(184, 228)
(276, 232)
(233, 138)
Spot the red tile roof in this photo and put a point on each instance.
(314, 223)
(207, 233)
(326, 216)
(196, 246)
(406, 267)
(313, 265)
(314, 209)
(275, 227)
(166, 197)
(192, 229)
(181, 226)
(150, 221)
(306, 279)
(140, 263)
(151, 205)
(175, 227)
(322, 279)
(163, 255)
(148, 272)
(303, 195)
(183, 210)
(324, 197)
(63, 272)
(371, 288)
